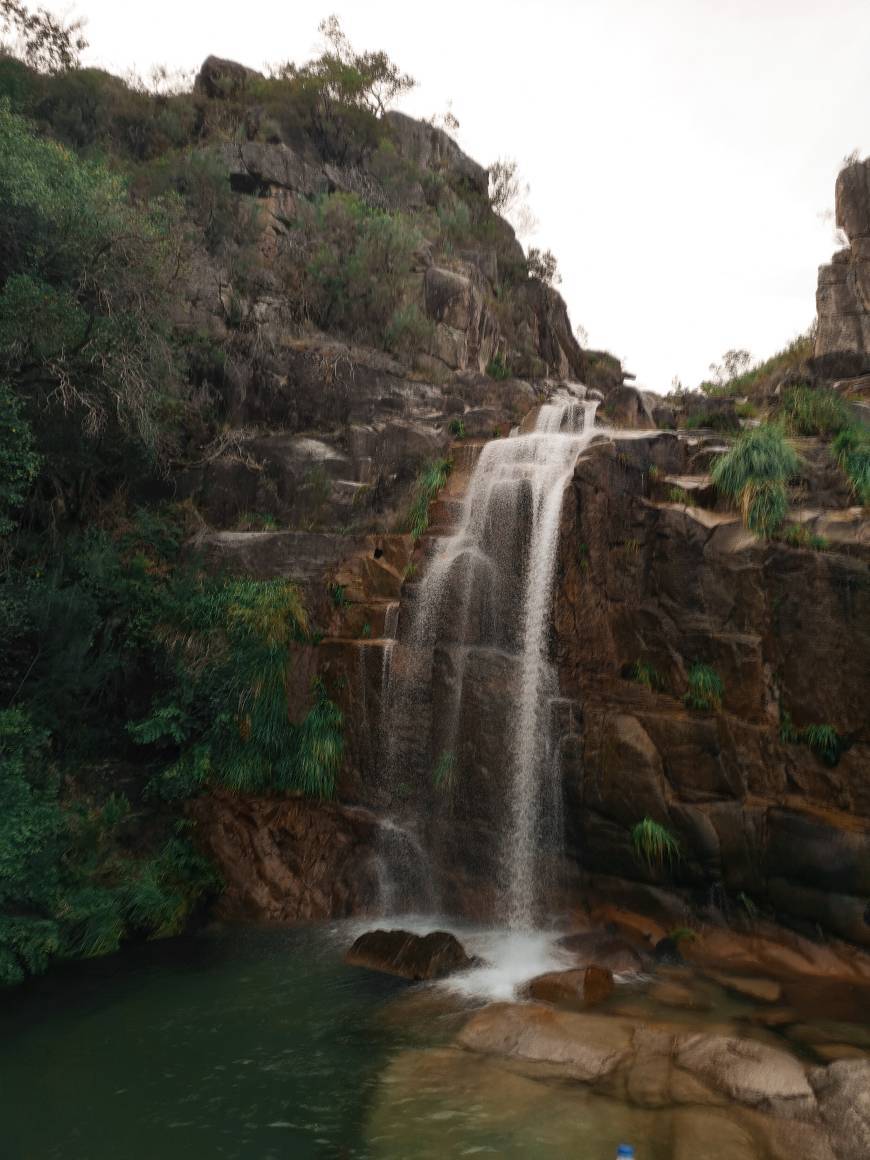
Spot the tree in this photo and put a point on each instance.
(543, 266)
(46, 43)
(343, 92)
(84, 282)
(734, 363)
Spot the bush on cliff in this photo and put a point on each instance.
(754, 474)
(851, 449)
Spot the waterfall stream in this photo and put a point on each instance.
(485, 603)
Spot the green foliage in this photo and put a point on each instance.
(735, 376)
(498, 369)
(682, 934)
(851, 448)
(337, 595)
(654, 844)
(712, 420)
(45, 42)
(68, 887)
(348, 270)
(800, 536)
(705, 690)
(444, 774)
(825, 741)
(788, 735)
(428, 483)
(409, 331)
(84, 280)
(457, 427)
(807, 411)
(256, 522)
(342, 92)
(754, 474)
(19, 463)
(645, 674)
(680, 495)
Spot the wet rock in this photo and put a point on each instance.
(762, 990)
(410, 956)
(843, 1092)
(667, 950)
(583, 1047)
(580, 988)
(627, 407)
(750, 1073)
(601, 949)
(671, 993)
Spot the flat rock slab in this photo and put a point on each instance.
(750, 1073)
(410, 956)
(583, 1047)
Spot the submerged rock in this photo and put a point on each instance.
(410, 956)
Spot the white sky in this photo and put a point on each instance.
(680, 152)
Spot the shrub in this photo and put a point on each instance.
(19, 463)
(754, 474)
(851, 448)
(498, 369)
(705, 688)
(409, 331)
(807, 411)
(429, 482)
(654, 844)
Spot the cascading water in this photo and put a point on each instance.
(484, 606)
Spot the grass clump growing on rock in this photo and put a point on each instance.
(654, 844)
(429, 482)
(705, 688)
(646, 675)
(806, 411)
(754, 474)
(798, 536)
(825, 741)
(851, 449)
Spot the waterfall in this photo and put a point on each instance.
(484, 603)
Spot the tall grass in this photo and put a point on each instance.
(808, 411)
(705, 688)
(429, 482)
(754, 474)
(851, 449)
(654, 844)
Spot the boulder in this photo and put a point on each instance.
(750, 1073)
(580, 988)
(431, 148)
(602, 949)
(410, 956)
(583, 1047)
(224, 79)
(843, 1093)
(627, 407)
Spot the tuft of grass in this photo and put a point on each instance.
(788, 735)
(338, 596)
(746, 410)
(799, 536)
(647, 676)
(806, 411)
(444, 774)
(429, 482)
(366, 631)
(705, 688)
(682, 934)
(654, 844)
(654, 472)
(851, 449)
(457, 427)
(256, 522)
(825, 741)
(754, 474)
(680, 495)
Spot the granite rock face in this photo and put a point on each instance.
(843, 296)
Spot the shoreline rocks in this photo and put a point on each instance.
(409, 956)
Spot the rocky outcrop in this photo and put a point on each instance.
(644, 580)
(288, 859)
(410, 956)
(843, 295)
(433, 150)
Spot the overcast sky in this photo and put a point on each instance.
(681, 153)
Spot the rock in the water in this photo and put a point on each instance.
(410, 956)
(601, 949)
(580, 988)
(843, 1092)
(749, 1072)
(583, 1047)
